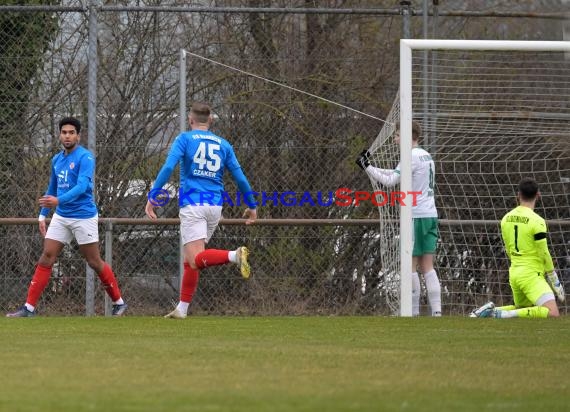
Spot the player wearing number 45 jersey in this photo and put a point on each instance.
(424, 215)
(531, 274)
(203, 157)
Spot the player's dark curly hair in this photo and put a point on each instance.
(72, 121)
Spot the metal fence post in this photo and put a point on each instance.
(425, 79)
(406, 11)
(91, 132)
(433, 96)
(182, 129)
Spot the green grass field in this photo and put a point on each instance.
(284, 364)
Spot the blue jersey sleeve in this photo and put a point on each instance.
(244, 187)
(243, 184)
(84, 180)
(231, 161)
(176, 153)
(51, 190)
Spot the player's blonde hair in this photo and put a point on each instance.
(200, 112)
(416, 130)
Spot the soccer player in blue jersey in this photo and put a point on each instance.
(70, 191)
(203, 157)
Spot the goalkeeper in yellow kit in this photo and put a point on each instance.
(531, 274)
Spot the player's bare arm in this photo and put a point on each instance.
(43, 227)
(250, 215)
(149, 210)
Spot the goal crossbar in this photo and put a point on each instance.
(520, 45)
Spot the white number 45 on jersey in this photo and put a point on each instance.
(207, 155)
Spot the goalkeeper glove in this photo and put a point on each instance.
(555, 285)
(363, 161)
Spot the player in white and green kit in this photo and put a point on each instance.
(531, 274)
(424, 214)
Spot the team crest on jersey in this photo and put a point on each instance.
(71, 165)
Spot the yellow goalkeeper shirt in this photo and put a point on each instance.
(524, 235)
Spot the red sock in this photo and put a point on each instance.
(212, 257)
(107, 278)
(189, 283)
(38, 283)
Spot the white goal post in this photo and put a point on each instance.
(407, 46)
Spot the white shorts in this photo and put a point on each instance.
(198, 222)
(64, 229)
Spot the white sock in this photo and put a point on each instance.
(232, 256)
(416, 289)
(30, 307)
(509, 314)
(433, 291)
(119, 302)
(183, 307)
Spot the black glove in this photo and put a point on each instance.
(363, 161)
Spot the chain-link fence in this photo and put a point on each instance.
(286, 140)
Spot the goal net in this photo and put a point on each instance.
(491, 113)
